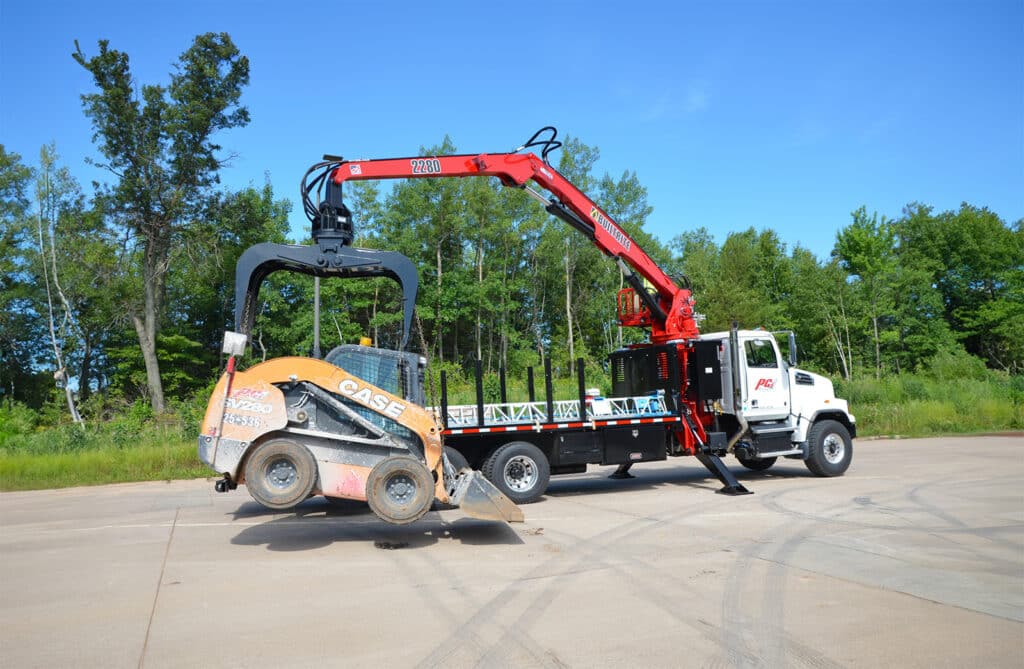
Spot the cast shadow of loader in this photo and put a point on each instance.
(317, 523)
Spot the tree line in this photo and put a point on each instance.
(123, 295)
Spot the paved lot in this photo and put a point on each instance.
(915, 558)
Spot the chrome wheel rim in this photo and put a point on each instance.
(520, 473)
(834, 448)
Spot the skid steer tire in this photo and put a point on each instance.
(829, 447)
(400, 489)
(757, 465)
(280, 474)
(519, 470)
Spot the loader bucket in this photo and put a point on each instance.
(478, 498)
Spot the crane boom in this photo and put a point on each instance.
(669, 312)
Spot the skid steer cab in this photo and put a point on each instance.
(290, 428)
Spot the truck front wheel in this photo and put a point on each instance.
(756, 464)
(830, 448)
(519, 470)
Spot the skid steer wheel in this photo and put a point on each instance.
(829, 448)
(519, 470)
(757, 465)
(280, 473)
(400, 489)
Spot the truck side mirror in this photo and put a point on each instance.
(792, 349)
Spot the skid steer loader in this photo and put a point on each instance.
(350, 426)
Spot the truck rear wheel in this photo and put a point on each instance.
(400, 489)
(519, 470)
(458, 460)
(830, 448)
(280, 474)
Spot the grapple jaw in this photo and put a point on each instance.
(330, 259)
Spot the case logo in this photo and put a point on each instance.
(375, 401)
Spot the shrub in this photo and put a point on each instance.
(16, 419)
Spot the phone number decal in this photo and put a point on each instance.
(242, 420)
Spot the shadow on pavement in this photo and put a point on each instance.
(317, 523)
(597, 481)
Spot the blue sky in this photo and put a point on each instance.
(783, 115)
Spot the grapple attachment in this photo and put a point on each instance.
(328, 258)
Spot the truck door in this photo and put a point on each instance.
(765, 392)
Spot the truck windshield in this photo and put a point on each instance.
(761, 353)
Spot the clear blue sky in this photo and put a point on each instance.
(786, 115)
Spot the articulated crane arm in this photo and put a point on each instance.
(668, 311)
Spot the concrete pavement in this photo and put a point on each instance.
(915, 558)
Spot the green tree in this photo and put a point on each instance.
(20, 328)
(866, 249)
(160, 148)
(976, 262)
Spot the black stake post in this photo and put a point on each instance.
(548, 391)
(444, 400)
(529, 384)
(501, 377)
(583, 390)
(479, 393)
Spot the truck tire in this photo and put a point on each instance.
(458, 460)
(829, 448)
(519, 470)
(757, 464)
(280, 474)
(400, 489)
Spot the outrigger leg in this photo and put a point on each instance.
(714, 463)
(722, 473)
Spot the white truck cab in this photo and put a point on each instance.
(773, 409)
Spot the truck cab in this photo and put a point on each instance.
(771, 408)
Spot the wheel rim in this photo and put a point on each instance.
(400, 489)
(282, 473)
(834, 448)
(521, 473)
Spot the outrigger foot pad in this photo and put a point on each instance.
(737, 489)
(622, 472)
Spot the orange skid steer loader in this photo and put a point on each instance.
(351, 426)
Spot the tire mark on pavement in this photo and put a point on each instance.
(487, 611)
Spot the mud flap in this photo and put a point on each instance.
(478, 498)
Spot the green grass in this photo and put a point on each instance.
(30, 471)
(951, 397)
(136, 446)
